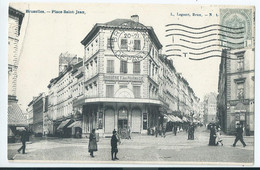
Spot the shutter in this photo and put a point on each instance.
(136, 120)
(109, 121)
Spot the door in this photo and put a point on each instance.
(136, 120)
(109, 121)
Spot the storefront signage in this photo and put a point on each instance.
(123, 78)
(235, 102)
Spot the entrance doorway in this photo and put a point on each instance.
(122, 123)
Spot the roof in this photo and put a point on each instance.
(17, 13)
(15, 115)
(116, 23)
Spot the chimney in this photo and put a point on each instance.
(135, 18)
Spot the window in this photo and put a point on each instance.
(137, 45)
(110, 43)
(110, 91)
(240, 64)
(110, 66)
(136, 66)
(240, 90)
(137, 91)
(145, 116)
(123, 44)
(100, 120)
(123, 66)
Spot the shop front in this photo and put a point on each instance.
(121, 116)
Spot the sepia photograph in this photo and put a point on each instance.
(118, 83)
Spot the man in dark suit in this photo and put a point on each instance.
(239, 135)
(24, 136)
(114, 149)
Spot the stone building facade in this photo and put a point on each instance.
(210, 108)
(236, 90)
(15, 116)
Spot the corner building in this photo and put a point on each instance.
(119, 94)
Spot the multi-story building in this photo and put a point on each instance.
(39, 108)
(15, 116)
(210, 108)
(236, 90)
(64, 90)
(105, 93)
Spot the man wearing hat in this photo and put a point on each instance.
(114, 149)
(239, 135)
(24, 136)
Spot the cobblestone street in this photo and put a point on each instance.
(140, 148)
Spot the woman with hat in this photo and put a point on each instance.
(92, 146)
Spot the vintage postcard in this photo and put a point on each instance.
(131, 83)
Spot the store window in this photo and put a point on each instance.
(100, 120)
(145, 121)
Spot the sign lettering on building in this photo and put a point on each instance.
(123, 78)
(235, 102)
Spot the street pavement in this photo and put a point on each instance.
(141, 148)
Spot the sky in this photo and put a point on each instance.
(45, 36)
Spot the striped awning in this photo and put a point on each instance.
(179, 119)
(75, 124)
(63, 123)
(15, 115)
(185, 119)
(172, 118)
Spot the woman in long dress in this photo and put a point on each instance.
(212, 138)
(92, 146)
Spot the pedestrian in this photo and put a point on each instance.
(164, 130)
(175, 129)
(156, 131)
(92, 146)
(212, 138)
(218, 137)
(114, 149)
(239, 135)
(129, 133)
(247, 130)
(192, 131)
(24, 136)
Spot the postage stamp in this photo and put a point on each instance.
(130, 40)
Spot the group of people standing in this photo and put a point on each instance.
(92, 147)
(215, 136)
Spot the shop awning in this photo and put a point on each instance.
(75, 124)
(172, 118)
(178, 119)
(63, 123)
(185, 119)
